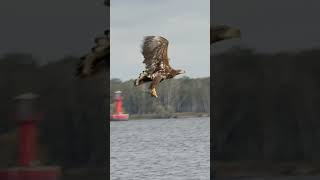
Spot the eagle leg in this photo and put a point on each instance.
(153, 85)
(154, 92)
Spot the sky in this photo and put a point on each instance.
(51, 29)
(270, 26)
(185, 23)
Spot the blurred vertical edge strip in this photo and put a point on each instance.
(212, 113)
(107, 4)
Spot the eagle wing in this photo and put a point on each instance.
(98, 59)
(155, 52)
(92, 63)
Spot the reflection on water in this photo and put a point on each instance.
(160, 149)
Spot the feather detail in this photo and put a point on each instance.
(155, 53)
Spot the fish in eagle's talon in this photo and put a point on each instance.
(154, 93)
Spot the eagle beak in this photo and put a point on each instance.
(182, 72)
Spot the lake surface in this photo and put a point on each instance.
(160, 149)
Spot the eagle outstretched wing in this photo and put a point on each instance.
(155, 52)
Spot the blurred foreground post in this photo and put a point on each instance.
(27, 169)
(27, 118)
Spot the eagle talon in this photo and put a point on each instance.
(154, 92)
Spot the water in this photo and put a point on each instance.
(160, 149)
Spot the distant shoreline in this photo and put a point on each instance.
(169, 115)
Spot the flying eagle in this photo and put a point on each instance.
(223, 32)
(155, 53)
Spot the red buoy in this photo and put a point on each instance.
(28, 168)
(27, 121)
(117, 113)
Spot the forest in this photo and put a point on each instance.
(175, 95)
(266, 105)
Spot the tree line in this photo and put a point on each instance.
(175, 95)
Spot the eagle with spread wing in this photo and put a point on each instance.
(157, 67)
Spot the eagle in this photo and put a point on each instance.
(98, 59)
(223, 32)
(157, 67)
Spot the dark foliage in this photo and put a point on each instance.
(73, 132)
(266, 105)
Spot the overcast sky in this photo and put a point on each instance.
(185, 23)
(53, 29)
(270, 25)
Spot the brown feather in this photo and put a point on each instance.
(154, 50)
(155, 53)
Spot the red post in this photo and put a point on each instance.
(117, 111)
(118, 105)
(27, 122)
(27, 142)
(27, 118)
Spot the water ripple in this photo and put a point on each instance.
(166, 149)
